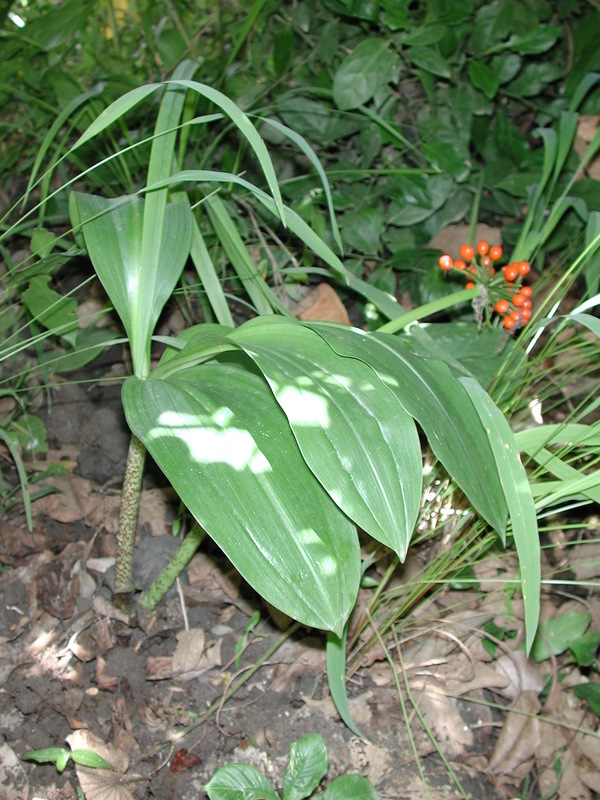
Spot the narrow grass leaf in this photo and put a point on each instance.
(304, 146)
(226, 447)
(115, 111)
(336, 678)
(517, 492)
(263, 298)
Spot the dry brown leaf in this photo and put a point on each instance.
(296, 659)
(444, 720)
(450, 238)
(522, 675)
(105, 681)
(74, 500)
(584, 561)
(322, 303)
(587, 126)
(520, 736)
(103, 784)
(190, 660)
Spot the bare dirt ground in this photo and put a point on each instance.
(70, 667)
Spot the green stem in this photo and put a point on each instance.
(128, 514)
(426, 310)
(174, 568)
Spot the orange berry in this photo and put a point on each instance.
(526, 290)
(472, 270)
(501, 306)
(516, 315)
(445, 262)
(467, 252)
(469, 285)
(523, 267)
(518, 299)
(528, 304)
(511, 272)
(495, 252)
(482, 247)
(525, 314)
(486, 261)
(458, 264)
(508, 323)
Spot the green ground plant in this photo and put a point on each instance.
(416, 113)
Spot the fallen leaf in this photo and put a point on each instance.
(322, 303)
(519, 737)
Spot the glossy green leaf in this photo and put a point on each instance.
(239, 782)
(429, 392)
(113, 232)
(353, 433)
(367, 68)
(219, 436)
(558, 634)
(517, 492)
(87, 758)
(308, 765)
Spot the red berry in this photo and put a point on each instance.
(482, 247)
(467, 252)
(525, 314)
(458, 264)
(527, 304)
(445, 262)
(508, 323)
(469, 285)
(495, 252)
(518, 299)
(523, 267)
(516, 315)
(526, 290)
(501, 306)
(511, 272)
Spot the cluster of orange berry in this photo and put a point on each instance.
(507, 296)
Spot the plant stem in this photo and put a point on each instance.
(128, 514)
(426, 310)
(176, 565)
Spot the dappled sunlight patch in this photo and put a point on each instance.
(304, 407)
(232, 446)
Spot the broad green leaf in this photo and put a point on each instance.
(219, 436)
(306, 768)
(430, 60)
(351, 787)
(538, 40)
(558, 634)
(482, 77)
(113, 231)
(585, 649)
(239, 782)
(428, 391)
(368, 67)
(352, 431)
(49, 308)
(591, 693)
(517, 491)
